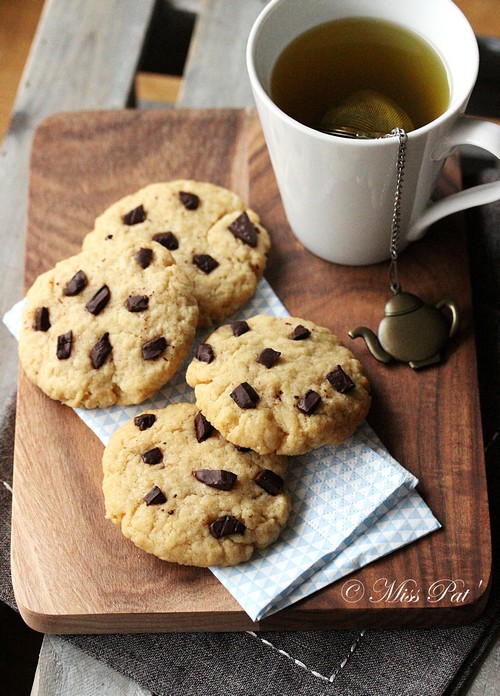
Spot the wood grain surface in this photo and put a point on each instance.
(72, 570)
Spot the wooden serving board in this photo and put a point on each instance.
(72, 570)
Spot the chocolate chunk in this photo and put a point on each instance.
(245, 396)
(99, 301)
(100, 352)
(167, 239)
(239, 328)
(154, 497)
(202, 427)
(135, 216)
(41, 321)
(152, 456)
(64, 345)
(269, 481)
(144, 257)
(268, 357)
(189, 200)
(137, 303)
(205, 353)
(243, 229)
(340, 380)
(205, 263)
(108, 236)
(216, 478)
(300, 333)
(151, 350)
(145, 420)
(309, 402)
(226, 525)
(76, 284)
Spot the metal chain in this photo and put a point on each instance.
(396, 215)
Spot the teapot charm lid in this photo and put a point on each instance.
(402, 303)
(410, 331)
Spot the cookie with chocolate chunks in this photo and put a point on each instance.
(109, 325)
(283, 385)
(192, 501)
(212, 235)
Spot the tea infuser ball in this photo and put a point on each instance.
(365, 114)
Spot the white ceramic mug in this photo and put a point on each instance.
(338, 193)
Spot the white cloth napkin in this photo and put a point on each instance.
(351, 504)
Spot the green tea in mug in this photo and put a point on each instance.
(342, 65)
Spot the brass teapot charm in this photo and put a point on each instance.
(411, 331)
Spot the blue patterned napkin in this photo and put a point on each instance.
(351, 504)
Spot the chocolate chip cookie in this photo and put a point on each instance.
(180, 491)
(279, 384)
(216, 240)
(108, 326)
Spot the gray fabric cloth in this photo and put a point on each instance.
(403, 662)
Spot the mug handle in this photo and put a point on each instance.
(467, 131)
